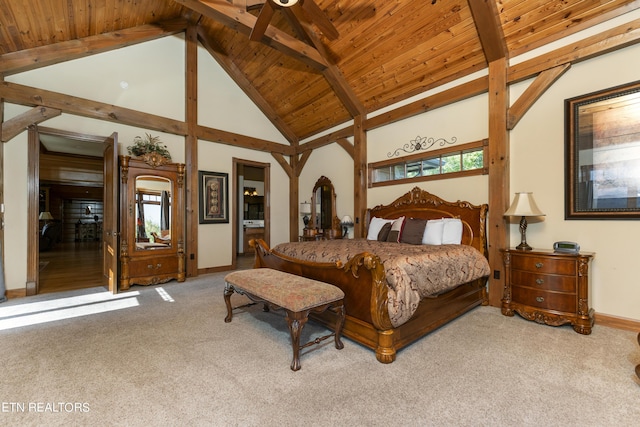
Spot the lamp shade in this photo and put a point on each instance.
(347, 221)
(524, 205)
(45, 216)
(305, 208)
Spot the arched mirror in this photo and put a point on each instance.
(152, 212)
(323, 209)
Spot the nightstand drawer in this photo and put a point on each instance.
(544, 265)
(545, 300)
(545, 282)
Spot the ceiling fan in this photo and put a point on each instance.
(311, 9)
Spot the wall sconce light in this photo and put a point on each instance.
(305, 209)
(523, 206)
(346, 222)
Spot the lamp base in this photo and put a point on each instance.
(524, 247)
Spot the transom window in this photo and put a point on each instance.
(463, 160)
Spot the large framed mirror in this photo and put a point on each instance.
(323, 209)
(603, 154)
(153, 212)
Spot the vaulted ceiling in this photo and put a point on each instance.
(297, 72)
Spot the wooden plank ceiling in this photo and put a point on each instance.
(386, 51)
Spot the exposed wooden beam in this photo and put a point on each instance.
(599, 44)
(499, 150)
(544, 80)
(302, 160)
(247, 87)
(240, 20)
(446, 97)
(486, 18)
(237, 140)
(16, 125)
(25, 95)
(192, 197)
(332, 73)
(359, 175)
(327, 139)
(284, 164)
(30, 96)
(348, 147)
(30, 59)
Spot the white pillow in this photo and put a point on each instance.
(375, 225)
(452, 231)
(433, 232)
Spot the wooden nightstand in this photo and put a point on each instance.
(548, 287)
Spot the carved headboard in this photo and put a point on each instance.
(418, 203)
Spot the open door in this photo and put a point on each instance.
(110, 223)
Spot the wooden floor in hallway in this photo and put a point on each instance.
(70, 265)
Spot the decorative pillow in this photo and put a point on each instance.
(375, 225)
(413, 231)
(384, 232)
(452, 231)
(433, 232)
(396, 230)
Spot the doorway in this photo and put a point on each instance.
(66, 182)
(251, 213)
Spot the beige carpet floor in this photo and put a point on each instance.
(163, 356)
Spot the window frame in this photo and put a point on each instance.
(431, 155)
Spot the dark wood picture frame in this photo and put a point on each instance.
(602, 154)
(214, 197)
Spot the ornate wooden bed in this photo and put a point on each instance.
(364, 283)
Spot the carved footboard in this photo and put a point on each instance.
(362, 280)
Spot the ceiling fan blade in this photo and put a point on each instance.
(264, 18)
(320, 19)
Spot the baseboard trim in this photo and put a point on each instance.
(617, 322)
(215, 269)
(16, 293)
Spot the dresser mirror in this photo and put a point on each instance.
(323, 208)
(153, 212)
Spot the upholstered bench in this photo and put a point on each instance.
(296, 295)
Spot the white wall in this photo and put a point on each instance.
(537, 165)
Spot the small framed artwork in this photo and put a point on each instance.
(214, 197)
(603, 154)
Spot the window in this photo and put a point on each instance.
(463, 160)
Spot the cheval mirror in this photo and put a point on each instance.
(323, 209)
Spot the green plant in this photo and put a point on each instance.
(148, 144)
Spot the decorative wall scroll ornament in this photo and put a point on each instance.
(420, 144)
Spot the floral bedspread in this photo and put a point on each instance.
(413, 272)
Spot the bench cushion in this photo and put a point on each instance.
(286, 290)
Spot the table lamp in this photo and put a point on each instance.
(346, 223)
(523, 206)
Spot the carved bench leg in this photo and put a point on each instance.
(296, 322)
(228, 291)
(339, 310)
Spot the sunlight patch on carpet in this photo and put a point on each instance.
(165, 295)
(64, 308)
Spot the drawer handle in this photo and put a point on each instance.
(539, 281)
(150, 266)
(539, 299)
(539, 265)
